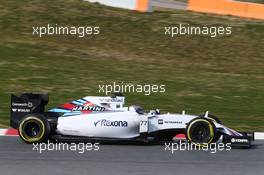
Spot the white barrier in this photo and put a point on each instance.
(139, 5)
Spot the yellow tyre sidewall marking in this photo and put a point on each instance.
(213, 120)
(31, 139)
(210, 127)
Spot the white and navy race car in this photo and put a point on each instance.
(106, 119)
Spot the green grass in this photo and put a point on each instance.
(224, 75)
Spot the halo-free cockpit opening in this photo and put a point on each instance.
(137, 109)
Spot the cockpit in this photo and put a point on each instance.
(137, 109)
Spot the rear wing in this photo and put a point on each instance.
(24, 104)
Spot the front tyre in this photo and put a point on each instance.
(213, 118)
(201, 131)
(217, 120)
(34, 128)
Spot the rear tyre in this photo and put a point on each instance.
(34, 128)
(201, 131)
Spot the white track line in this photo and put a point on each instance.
(2, 132)
(259, 135)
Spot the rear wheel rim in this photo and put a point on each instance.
(32, 130)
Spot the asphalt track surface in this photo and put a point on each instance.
(18, 158)
(169, 4)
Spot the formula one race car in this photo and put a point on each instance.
(106, 119)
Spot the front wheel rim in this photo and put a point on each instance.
(203, 132)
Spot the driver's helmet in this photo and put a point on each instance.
(137, 109)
